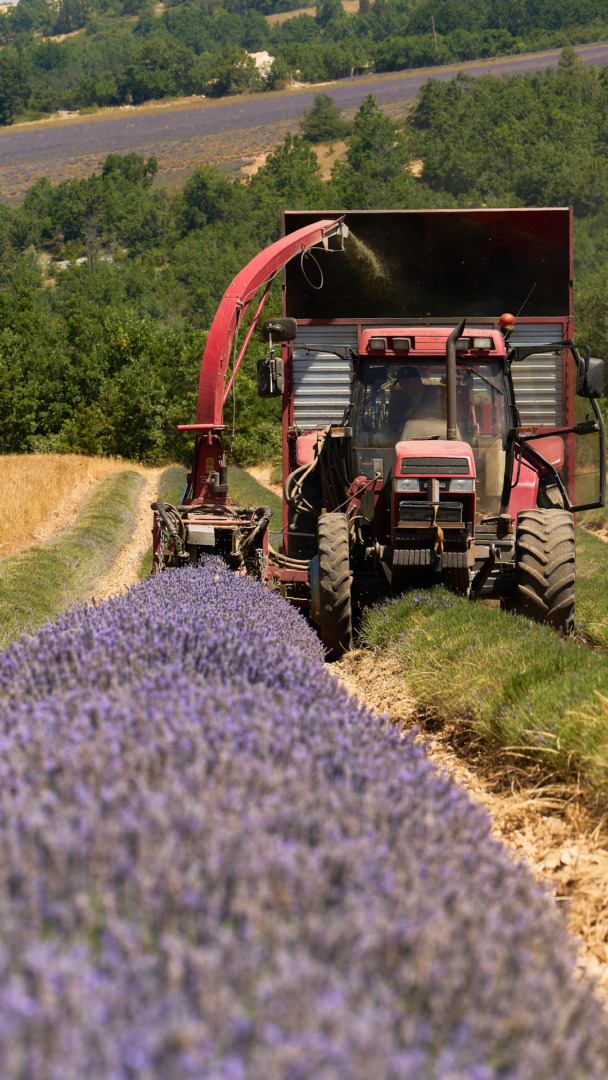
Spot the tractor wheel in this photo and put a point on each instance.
(333, 611)
(544, 553)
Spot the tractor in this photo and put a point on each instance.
(430, 435)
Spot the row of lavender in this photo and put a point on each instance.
(214, 865)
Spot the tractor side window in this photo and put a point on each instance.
(370, 405)
(483, 422)
(374, 439)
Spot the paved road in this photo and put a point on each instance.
(92, 138)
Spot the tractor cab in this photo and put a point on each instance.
(400, 397)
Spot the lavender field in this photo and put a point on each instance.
(231, 131)
(214, 864)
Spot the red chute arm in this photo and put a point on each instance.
(234, 303)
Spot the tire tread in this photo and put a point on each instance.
(545, 554)
(334, 584)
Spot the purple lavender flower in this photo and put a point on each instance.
(214, 863)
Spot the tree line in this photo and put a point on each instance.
(108, 284)
(127, 52)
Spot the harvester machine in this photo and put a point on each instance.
(430, 435)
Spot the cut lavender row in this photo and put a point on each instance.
(213, 864)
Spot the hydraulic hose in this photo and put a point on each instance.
(171, 518)
(286, 561)
(333, 470)
(257, 533)
(297, 503)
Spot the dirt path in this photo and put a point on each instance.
(601, 532)
(125, 571)
(547, 824)
(262, 474)
(67, 511)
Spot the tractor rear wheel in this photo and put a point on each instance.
(545, 554)
(334, 611)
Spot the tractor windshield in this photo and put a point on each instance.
(398, 402)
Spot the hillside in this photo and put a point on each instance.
(108, 284)
(180, 133)
(121, 52)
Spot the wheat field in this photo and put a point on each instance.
(40, 494)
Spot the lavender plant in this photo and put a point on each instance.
(214, 864)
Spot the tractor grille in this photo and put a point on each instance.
(424, 511)
(449, 466)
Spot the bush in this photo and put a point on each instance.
(323, 123)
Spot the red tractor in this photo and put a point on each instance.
(428, 435)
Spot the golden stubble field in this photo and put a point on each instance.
(40, 494)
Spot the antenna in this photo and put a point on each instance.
(526, 300)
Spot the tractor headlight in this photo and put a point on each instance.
(462, 484)
(409, 483)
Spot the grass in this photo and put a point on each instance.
(516, 682)
(38, 583)
(592, 586)
(33, 488)
(170, 490)
(171, 484)
(245, 491)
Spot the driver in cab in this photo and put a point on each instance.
(409, 399)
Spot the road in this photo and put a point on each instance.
(185, 133)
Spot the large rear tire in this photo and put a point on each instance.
(334, 610)
(545, 556)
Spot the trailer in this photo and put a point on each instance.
(440, 424)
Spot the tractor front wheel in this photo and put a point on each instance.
(545, 554)
(330, 584)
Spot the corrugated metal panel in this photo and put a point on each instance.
(539, 380)
(321, 381)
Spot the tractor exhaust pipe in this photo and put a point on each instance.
(450, 371)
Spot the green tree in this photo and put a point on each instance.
(71, 15)
(323, 122)
(376, 172)
(235, 72)
(534, 139)
(328, 10)
(291, 177)
(208, 196)
(156, 68)
(131, 167)
(30, 16)
(15, 84)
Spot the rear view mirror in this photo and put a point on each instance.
(271, 378)
(594, 378)
(281, 329)
(590, 376)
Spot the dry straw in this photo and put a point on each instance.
(40, 494)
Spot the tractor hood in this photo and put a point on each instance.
(434, 457)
